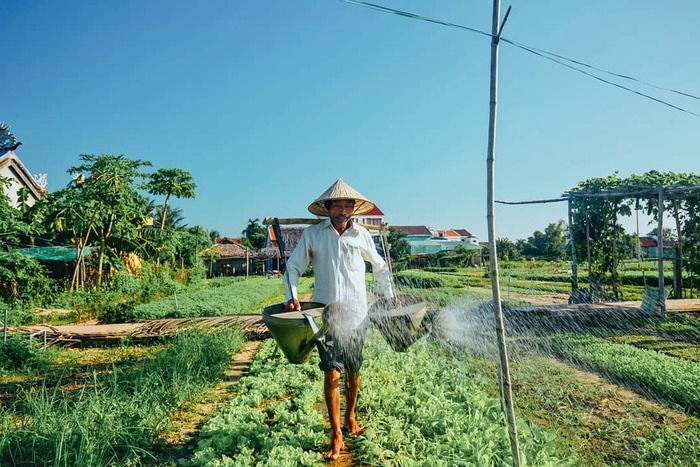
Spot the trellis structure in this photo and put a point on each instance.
(660, 194)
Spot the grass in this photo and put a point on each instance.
(110, 414)
(603, 423)
(91, 408)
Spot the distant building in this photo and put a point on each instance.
(423, 240)
(271, 254)
(648, 248)
(375, 217)
(234, 260)
(19, 177)
(461, 235)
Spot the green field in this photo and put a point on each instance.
(623, 393)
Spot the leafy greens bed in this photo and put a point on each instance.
(418, 405)
(667, 377)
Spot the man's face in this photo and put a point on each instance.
(341, 211)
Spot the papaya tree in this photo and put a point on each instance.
(100, 208)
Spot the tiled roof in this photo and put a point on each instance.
(463, 232)
(374, 212)
(447, 233)
(413, 229)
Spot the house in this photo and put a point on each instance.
(455, 235)
(414, 232)
(375, 217)
(270, 254)
(648, 248)
(424, 241)
(233, 259)
(12, 169)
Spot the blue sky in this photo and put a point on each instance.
(267, 103)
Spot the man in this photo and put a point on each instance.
(338, 248)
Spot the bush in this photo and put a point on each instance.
(18, 352)
(23, 279)
(124, 283)
(419, 279)
(122, 312)
(438, 270)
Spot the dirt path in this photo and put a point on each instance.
(188, 419)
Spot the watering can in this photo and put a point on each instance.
(400, 325)
(295, 332)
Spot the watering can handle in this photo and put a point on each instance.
(318, 333)
(312, 323)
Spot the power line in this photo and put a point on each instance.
(534, 51)
(556, 58)
(618, 75)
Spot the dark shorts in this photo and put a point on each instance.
(342, 352)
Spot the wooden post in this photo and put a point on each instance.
(574, 265)
(588, 247)
(506, 387)
(660, 252)
(637, 242)
(613, 252)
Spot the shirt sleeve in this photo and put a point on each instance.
(380, 270)
(296, 265)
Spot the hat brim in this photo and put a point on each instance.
(362, 206)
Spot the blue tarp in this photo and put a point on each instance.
(65, 254)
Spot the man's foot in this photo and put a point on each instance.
(352, 428)
(333, 452)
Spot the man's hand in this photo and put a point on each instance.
(293, 305)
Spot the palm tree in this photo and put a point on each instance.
(170, 182)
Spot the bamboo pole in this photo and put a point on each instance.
(660, 252)
(311, 221)
(574, 263)
(504, 379)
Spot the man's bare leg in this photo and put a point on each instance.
(352, 389)
(331, 390)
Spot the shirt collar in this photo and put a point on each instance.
(329, 224)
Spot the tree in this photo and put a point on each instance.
(12, 226)
(190, 242)
(507, 250)
(103, 204)
(170, 182)
(399, 249)
(256, 234)
(549, 244)
(459, 256)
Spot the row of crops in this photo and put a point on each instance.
(437, 401)
(418, 405)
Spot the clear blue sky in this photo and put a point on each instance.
(267, 103)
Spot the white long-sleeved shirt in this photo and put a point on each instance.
(339, 266)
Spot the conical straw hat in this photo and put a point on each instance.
(340, 190)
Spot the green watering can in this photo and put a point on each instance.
(295, 332)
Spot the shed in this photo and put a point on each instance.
(234, 258)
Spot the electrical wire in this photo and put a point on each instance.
(556, 58)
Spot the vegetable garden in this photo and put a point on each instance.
(622, 394)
